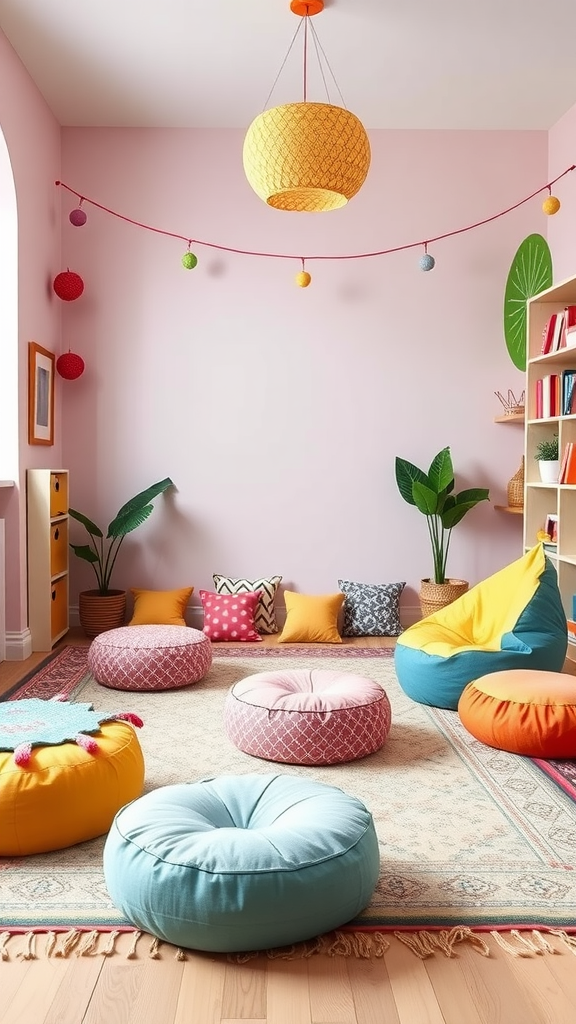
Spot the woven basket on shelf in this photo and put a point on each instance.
(516, 488)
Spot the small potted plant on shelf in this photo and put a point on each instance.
(104, 608)
(432, 494)
(548, 460)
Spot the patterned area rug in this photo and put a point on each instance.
(469, 836)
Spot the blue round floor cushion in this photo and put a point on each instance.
(242, 862)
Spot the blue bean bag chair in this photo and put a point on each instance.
(513, 619)
(242, 862)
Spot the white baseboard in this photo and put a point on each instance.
(18, 645)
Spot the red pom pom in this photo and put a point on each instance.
(68, 285)
(70, 366)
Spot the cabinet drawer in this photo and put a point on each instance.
(58, 547)
(58, 494)
(59, 607)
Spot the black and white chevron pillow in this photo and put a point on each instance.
(371, 609)
(265, 616)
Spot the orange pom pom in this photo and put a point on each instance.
(551, 205)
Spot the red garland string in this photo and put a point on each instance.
(290, 256)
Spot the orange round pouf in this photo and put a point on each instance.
(523, 711)
(66, 795)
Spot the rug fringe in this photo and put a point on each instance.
(424, 944)
(25, 945)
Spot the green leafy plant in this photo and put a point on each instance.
(547, 451)
(102, 555)
(432, 495)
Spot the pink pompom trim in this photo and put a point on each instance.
(22, 754)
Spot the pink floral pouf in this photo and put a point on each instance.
(307, 716)
(149, 657)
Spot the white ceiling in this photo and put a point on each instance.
(399, 63)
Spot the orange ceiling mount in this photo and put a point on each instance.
(306, 8)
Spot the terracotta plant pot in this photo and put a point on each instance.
(101, 612)
(434, 596)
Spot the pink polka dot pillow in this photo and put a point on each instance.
(230, 616)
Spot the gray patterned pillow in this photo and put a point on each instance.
(371, 609)
(265, 615)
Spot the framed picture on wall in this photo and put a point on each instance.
(41, 365)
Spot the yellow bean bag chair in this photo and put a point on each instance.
(513, 619)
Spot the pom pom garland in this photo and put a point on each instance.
(77, 217)
(551, 205)
(68, 285)
(70, 366)
(303, 279)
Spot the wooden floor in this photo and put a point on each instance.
(397, 988)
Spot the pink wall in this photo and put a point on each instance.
(33, 140)
(562, 154)
(278, 411)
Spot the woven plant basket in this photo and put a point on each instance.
(434, 596)
(516, 488)
(101, 612)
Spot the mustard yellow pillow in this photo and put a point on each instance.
(160, 607)
(311, 618)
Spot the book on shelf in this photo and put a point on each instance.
(548, 334)
(564, 462)
(568, 468)
(550, 403)
(570, 326)
(568, 390)
(559, 336)
(571, 626)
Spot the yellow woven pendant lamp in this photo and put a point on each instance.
(306, 156)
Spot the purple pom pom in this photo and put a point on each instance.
(77, 218)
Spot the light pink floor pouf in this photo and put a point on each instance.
(149, 657)
(307, 716)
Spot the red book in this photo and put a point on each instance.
(570, 473)
(548, 334)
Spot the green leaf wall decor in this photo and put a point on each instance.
(529, 274)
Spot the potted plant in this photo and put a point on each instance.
(432, 494)
(548, 460)
(104, 608)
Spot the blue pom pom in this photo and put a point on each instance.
(427, 262)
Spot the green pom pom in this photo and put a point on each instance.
(189, 260)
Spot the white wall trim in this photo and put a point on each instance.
(18, 645)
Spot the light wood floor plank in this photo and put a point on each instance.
(411, 987)
(494, 991)
(116, 992)
(541, 987)
(451, 989)
(288, 994)
(75, 991)
(13, 974)
(201, 991)
(372, 992)
(32, 1000)
(245, 989)
(331, 1000)
(563, 969)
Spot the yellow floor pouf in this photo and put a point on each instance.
(522, 711)
(64, 773)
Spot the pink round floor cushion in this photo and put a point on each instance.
(307, 716)
(149, 657)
